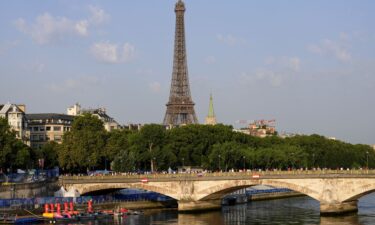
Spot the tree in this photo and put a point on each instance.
(49, 154)
(7, 138)
(228, 155)
(152, 135)
(13, 153)
(83, 147)
(117, 151)
(22, 159)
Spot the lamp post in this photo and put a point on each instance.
(367, 159)
(219, 162)
(154, 162)
(313, 162)
(244, 163)
(292, 160)
(183, 162)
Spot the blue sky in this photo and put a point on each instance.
(308, 64)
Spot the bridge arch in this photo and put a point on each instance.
(220, 190)
(88, 188)
(359, 192)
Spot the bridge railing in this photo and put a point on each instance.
(249, 173)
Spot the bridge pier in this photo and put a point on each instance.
(190, 206)
(327, 209)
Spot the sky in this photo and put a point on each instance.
(310, 65)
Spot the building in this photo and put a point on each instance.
(132, 126)
(108, 122)
(211, 118)
(180, 107)
(15, 114)
(45, 127)
(262, 128)
(259, 128)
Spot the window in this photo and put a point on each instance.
(48, 128)
(41, 137)
(57, 138)
(56, 128)
(36, 128)
(41, 128)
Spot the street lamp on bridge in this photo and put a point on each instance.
(313, 162)
(367, 160)
(244, 162)
(219, 162)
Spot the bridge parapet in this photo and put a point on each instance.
(224, 175)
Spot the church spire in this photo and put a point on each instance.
(211, 118)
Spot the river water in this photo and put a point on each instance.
(297, 210)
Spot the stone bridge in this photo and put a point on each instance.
(337, 191)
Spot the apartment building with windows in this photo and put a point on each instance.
(108, 122)
(15, 114)
(45, 127)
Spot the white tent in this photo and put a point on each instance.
(63, 193)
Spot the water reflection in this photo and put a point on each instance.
(346, 220)
(300, 210)
(201, 219)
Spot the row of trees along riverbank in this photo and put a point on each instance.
(89, 146)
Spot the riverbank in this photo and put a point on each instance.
(141, 204)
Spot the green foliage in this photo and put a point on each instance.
(89, 146)
(227, 155)
(49, 153)
(13, 153)
(83, 147)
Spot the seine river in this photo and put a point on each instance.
(297, 210)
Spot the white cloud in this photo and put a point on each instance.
(47, 29)
(337, 49)
(6, 46)
(113, 53)
(230, 40)
(81, 83)
(82, 27)
(128, 52)
(294, 63)
(274, 71)
(155, 87)
(291, 63)
(39, 67)
(269, 75)
(98, 15)
(210, 60)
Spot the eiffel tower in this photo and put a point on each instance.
(180, 107)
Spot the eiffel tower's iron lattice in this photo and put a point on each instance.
(180, 107)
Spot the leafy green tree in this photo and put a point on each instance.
(117, 151)
(49, 153)
(22, 157)
(152, 139)
(227, 155)
(13, 153)
(7, 139)
(83, 147)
